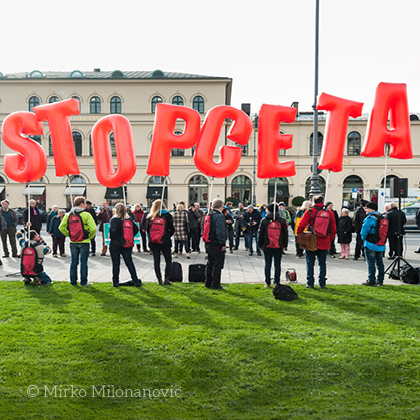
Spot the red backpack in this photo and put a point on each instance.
(273, 234)
(157, 230)
(29, 266)
(76, 229)
(322, 223)
(128, 233)
(381, 230)
(206, 228)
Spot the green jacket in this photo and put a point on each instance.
(88, 223)
(288, 218)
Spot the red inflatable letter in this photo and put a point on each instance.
(230, 156)
(390, 98)
(124, 147)
(339, 111)
(164, 139)
(270, 141)
(31, 162)
(57, 114)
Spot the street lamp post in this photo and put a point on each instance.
(315, 177)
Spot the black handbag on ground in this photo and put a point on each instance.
(284, 292)
(176, 272)
(197, 273)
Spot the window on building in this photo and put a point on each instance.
(178, 152)
(198, 104)
(158, 180)
(50, 149)
(244, 148)
(77, 140)
(242, 189)
(77, 74)
(177, 100)
(111, 140)
(80, 102)
(354, 143)
(198, 190)
(36, 138)
(282, 192)
(95, 105)
(117, 74)
(90, 145)
(350, 183)
(33, 101)
(77, 179)
(156, 100)
(388, 181)
(54, 99)
(282, 152)
(319, 144)
(115, 105)
(36, 73)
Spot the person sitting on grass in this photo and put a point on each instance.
(32, 268)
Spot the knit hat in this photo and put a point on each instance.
(328, 203)
(372, 205)
(270, 207)
(364, 202)
(282, 204)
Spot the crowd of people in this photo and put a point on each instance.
(264, 229)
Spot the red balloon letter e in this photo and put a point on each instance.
(164, 138)
(57, 114)
(31, 162)
(339, 111)
(270, 141)
(390, 99)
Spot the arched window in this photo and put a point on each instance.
(80, 102)
(36, 73)
(33, 101)
(117, 74)
(350, 183)
(54, 99)
(157, 180)
(77, 140)
(242, 188)
(77, 74)
(111, 139)
(198, 104)
(90, 145)
(308, 186)
(354, 143)
(282, 193)
(388, 181)
(198, 190)
(177, 152)
(77, 179)
(156, 100)
(115, 105)
(36, 138)
(177, 100)
(50, 149)
(95, 105)
(319, 144)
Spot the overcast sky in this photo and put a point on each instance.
(266, 47)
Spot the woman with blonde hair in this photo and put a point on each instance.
(305, 206)
(160, 228)
(119, 246)
(180, 220)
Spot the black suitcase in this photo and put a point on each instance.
(176, 272)
(197, 273)
(408, 274)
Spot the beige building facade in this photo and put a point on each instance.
(135, 95)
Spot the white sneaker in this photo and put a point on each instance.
(87, 284)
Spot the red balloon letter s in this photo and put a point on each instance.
(31, 162)
(57, 115)
(230, 156)
(164, 139)
(339, 111)
(124, 147)
(390, 98)
(270, 141)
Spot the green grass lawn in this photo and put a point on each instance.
(348, 352)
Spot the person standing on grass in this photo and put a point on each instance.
(139, 213)
(216, 248)
(322, 222)
(82, 231)
(57, 236)
(160, 233)
(11, 221)
(120, 245)
(373, 252)
(344, 232)
(92, 212)
(104, 216)
(272, 238)
(358, 218)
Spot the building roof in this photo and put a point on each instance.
(98, 74)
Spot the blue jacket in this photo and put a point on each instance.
(369, 226)
(54, 225)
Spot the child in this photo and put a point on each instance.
(344, 230)
(58, 238)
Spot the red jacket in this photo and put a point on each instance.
(139, 215)
(323, 243)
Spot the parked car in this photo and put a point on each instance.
(410, 214)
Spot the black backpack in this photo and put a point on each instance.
(176, 272)
(284, 292)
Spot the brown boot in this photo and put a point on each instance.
(167, 282)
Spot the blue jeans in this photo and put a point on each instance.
(79, 249)
(44, 278)
(269, 253)
(250, 236)
(375, 258)
(310, 263)
(238, 237)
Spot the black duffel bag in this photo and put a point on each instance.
(284, 292)
(197, 273)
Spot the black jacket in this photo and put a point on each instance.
(229, 225)
(358, 218)
(116, 232)
(36, 223)
(248, 217)
(344, 230)
(218, 228)
(92, 212)
(170, 230)
(193, 218)
(392, 216)
(263, 240)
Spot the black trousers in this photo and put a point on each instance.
(166, 252)
(195, 239)
(215, 264)
(92, 245)
(115, 252)
(393, 246)
(231, 234)
(359, 246)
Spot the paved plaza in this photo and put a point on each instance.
(239, 266)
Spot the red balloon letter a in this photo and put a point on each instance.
(390, 99)
(270, 141)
